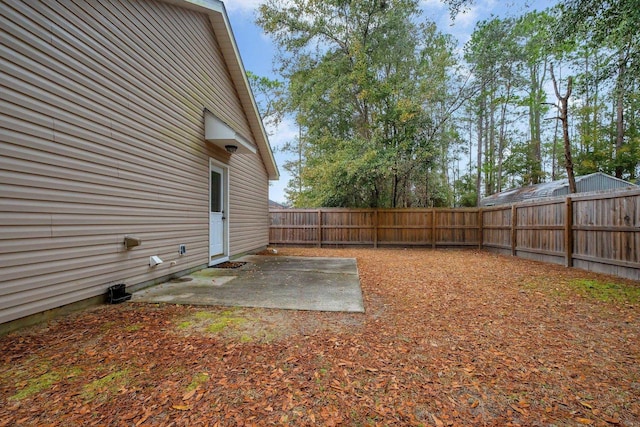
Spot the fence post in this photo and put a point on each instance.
(568, 232)
(480, 228)
(514, 230)
(433, 228)
(319, 232)
(375, 228)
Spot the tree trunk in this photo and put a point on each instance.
(488, 155)
(480, 137)
(537, 75)
(492, 145)
(554, 154)
(620, 113)
(564, 118)
(501, 137)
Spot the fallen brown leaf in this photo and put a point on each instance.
(189, 394)
(181, 407)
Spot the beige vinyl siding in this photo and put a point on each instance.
(101, 135)
(248, 204)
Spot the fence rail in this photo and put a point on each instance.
(598, 232)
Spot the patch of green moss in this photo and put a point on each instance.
(202, 315)
(198, 380)
(207, 272)
(106, 326)
(184, 325)
(132, 328)
(106, 385)
(29, 382)
(223, 322)
(606, 291)
(38, 384)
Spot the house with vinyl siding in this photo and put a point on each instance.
(128, 135)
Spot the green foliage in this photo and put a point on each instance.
(608, 24)
(376, 90)
(270, 96)
(368, 83)
(606, 38)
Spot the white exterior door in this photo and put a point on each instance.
(217, 218)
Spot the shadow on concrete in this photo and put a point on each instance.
(296, 283)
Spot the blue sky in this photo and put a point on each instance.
(258, 52)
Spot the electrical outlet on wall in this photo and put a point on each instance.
(182, 249)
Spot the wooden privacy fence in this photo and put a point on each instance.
(598, 231)
(417, 227)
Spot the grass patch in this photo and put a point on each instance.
(105, 386)
(606, 291)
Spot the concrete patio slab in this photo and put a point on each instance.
(296, 283)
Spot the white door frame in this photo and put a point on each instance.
(218, 166)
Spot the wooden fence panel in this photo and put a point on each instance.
(606, 233)
(347, 226)
(457, 227)
(289, 226)
(408, 227)
(496, 232)
(599, 232)
(540, 231)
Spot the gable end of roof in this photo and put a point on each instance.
(219, 19)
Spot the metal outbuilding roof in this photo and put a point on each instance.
(585, 183)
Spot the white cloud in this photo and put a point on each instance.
(463, 23)
(432, 4)
(286, 131)
(242, 6)
(247, 6)
(467, 18)
(277, 188)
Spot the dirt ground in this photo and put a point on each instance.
(449, 338)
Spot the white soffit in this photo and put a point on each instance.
(220, 134)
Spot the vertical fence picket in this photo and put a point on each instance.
(514, 229)
(568, 232)
(319, 231)
(375, 228)
(433, 228)
(480, 228)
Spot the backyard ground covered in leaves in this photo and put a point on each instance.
(449, 338)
